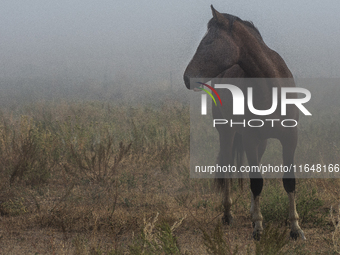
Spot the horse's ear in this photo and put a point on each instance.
(218, 16)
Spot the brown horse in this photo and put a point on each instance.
(234, 48)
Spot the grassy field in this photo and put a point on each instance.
(98, 177)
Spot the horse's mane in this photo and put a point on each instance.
(232, 19)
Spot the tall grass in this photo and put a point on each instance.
(88, 175)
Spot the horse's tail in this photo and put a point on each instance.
(237, 155)
(238, 152)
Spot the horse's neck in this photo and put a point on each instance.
(257, 59)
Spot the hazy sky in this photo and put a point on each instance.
(144, 39)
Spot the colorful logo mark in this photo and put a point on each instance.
(213, 90)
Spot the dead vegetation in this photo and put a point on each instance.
(95, 178)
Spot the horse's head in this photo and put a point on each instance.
(217, 50)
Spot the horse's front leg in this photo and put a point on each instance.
(226, 137)
(251, 147)
(261, 149)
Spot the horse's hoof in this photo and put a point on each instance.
(295, 234)
(227, 220)
(257, 235)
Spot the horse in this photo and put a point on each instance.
(234, 48)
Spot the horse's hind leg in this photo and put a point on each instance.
(227, 202)
(288, 149)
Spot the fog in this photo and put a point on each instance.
(149, 43)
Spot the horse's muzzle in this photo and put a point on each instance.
(187, 81)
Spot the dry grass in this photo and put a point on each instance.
(93, 178)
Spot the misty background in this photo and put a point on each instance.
(105, 49)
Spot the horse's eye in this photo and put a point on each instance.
(207, 42)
